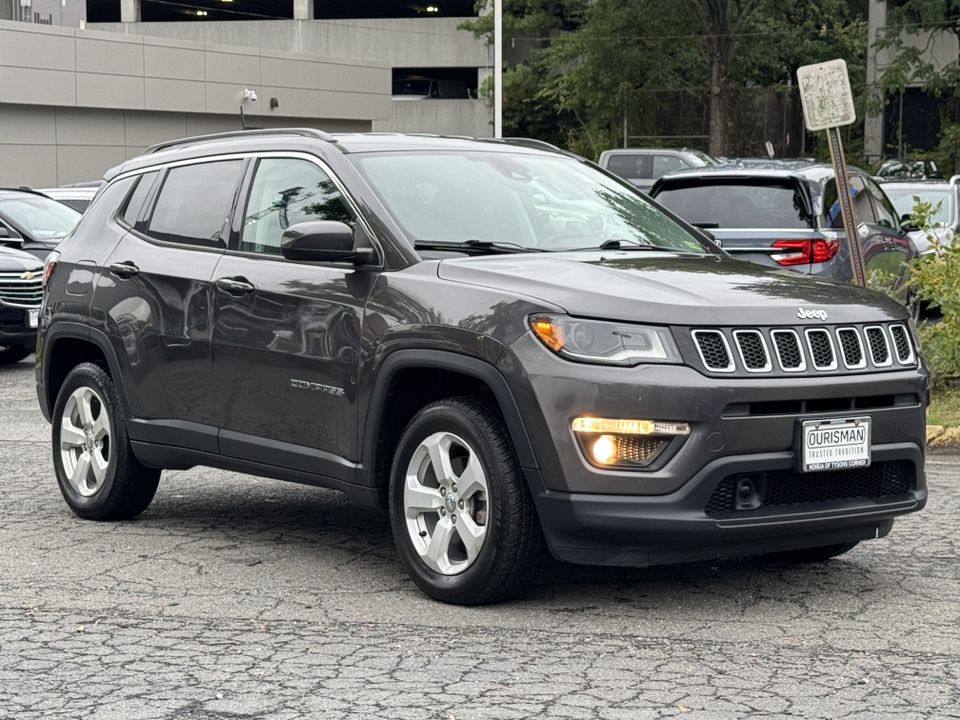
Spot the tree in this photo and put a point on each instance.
(913, 28)
(720, 22)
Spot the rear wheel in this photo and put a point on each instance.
(98, 474)
(811, 555)
(14, 354)
(462, 516)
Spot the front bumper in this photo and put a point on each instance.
(738, 426)
(651, 530)
(15, 328)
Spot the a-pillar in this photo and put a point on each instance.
(129, 11)
(303, 9)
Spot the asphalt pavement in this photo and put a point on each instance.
(240, 598)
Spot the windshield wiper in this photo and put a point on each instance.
(632, 245)
(477, 247)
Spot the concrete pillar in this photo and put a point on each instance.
(873, 122)
(129, 11)
(303, 9)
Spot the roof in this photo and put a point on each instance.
(772, 169)
(309, 139)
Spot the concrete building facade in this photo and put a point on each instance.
(77, 98)
(75, 102)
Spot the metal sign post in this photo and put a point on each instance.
(828, 105)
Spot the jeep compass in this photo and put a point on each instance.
(497, 342)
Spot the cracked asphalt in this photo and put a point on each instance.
(234, 597)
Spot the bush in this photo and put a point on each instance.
(936, 279)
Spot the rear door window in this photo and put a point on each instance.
(630, 166)
(194, 203)
(662, 164)
(737, 205)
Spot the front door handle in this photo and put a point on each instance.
(124, 270)
(236, 286)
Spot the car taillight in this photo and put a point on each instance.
(49, 265)
(799, 251)
(805, 251)
(824, 250)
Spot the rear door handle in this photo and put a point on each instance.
(236, 286)
(124, 270)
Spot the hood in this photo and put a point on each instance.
(671, 289)
(12, 260)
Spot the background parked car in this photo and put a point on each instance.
(426, 89)
(787, 215)
(941, 194)
(21, 293)
(32, 222)
(76, 196)
(643, 166)
(913, 169)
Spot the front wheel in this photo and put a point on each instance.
(462, 516)
(99, 476)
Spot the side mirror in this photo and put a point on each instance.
(906, 225)
(326, 241)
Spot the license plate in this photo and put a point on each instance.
(33, 318)
(835, 444)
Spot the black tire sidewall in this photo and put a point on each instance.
(464, 587)
(94, 377)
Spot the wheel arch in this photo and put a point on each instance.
(65, 346)
(396, 398)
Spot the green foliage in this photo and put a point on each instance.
(600, 59)
(936, 278)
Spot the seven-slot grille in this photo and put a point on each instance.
(814, 349)
(22, 289)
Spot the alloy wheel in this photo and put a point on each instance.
(445, 503)
(85, 441)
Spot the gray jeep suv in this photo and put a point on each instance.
(499, 344)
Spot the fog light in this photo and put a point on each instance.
(605, 449)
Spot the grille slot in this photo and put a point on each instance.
(902, 344)
(753, 350)
(877, 342)
(783, 487)
(714, 350)
(852, 348)
(17, 291)
(820, 345)
(786, 343)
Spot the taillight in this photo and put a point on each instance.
(824, 250)
(799, 250)
(49, 266)
(804, 251)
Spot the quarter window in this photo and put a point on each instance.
(194, 203)
(135, 204)
(286, 192)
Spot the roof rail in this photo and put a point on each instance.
(305, 132)
(536, 145)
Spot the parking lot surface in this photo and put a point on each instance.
(236, 597)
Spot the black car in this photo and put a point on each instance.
(499, 343)
(21, 294)
(32, 222)
(786, 214)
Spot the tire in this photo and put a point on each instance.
(14, 354)
(468, 535)
(811, 555)
(97, 472)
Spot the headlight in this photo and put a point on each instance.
(608, 343)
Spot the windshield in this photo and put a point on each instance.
(941, 200)
(41, 217)
(737, 205)
(532, 201)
